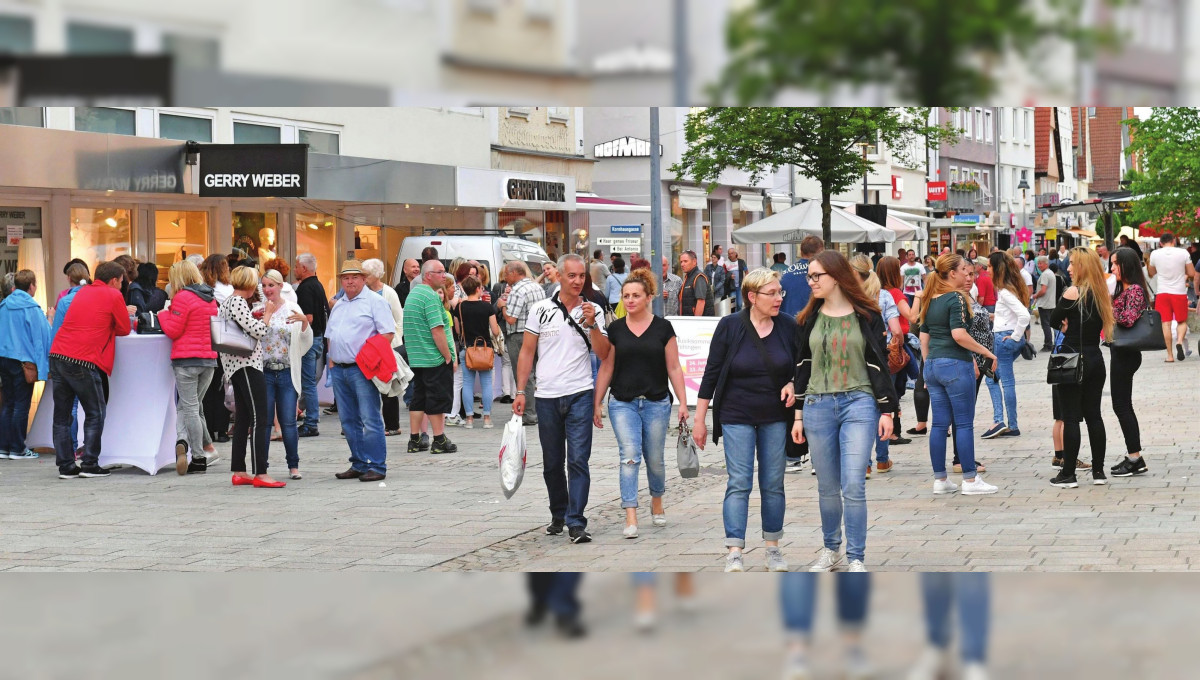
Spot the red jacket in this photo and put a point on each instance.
(186, 322)
(92, 323)
(376, 360)
(987, 291)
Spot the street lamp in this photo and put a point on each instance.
(1024, 186)
(865, 145)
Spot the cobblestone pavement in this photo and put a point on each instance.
(447, 512)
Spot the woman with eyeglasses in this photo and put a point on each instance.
(848, 400)
(891, 320)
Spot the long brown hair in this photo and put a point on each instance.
(939, 282)
(1006, 276)
(836, 265)
(888, 269)
(1089, 279)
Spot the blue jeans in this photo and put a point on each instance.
(741, 444)
(360, 411)
(798, 599)
(468, 388)
(641, 430)
(281, 400)
(308, 378)
(841, 429)
(89, 385)
(565, 432)
(951, 384)
(1006, 353)
(973, 593)
(16, 396)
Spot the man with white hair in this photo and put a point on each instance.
(429, 356)
(310, 295)
(515, 307)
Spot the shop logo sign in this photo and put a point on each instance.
(534, 190)
(624, 147)
(254, 170)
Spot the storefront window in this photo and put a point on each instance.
(316, 233)
(556, 233)
(527, 223)
(113, 121)
(320, 142)
(184, 127)
(178, 234)
(100, 234)
(248, 133)
(368, 244)
(256, 234)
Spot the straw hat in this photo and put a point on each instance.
(351, 267)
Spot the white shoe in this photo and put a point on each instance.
(644, 621)
(977, 487)
(796, 667)
(630, 531)
(857, 567)
(941, 486)
(733, 563)
(933, 664)
(659, 520)
(827, 560)
(975, 671)
(468, 425)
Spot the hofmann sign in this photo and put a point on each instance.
(254, 170)
(625, 147)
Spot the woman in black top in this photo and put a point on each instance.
(477, 324)
(1131, 300)
(645, 356)
(1087, 310)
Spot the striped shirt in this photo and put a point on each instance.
(522, 298)
(423, 313)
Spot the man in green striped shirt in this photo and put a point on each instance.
(429, 356)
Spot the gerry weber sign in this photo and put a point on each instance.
(624, 147)
(486, 188)
(254, 170)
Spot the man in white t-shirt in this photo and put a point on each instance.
(562, 332)
(913, 273)
(1173, 268)
(1025, 274)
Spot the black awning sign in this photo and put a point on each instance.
(254, 170)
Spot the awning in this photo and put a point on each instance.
(1087, 233)
(793, 224)
(691, 198)
(590, 201)
(750, 202)
(779, 202)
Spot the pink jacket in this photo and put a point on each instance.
(186, 322)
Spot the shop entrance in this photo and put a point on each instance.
(178, 234)
(256, 234)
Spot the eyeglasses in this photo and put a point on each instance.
(816, 276)
(775, 293)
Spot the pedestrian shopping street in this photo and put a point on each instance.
(448, 513)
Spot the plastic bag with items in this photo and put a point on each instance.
(512, 457)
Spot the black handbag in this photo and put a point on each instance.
(147, 324)
(1145, 335)
(1065, 368)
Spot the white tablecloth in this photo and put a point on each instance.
(139, 426)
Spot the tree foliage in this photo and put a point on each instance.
(821, 142)
(1167, 146)
(933, 52)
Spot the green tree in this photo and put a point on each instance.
(1168, 184)
(933, 52)
(821, 142)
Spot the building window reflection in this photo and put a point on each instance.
(100, 234)
(178, 234)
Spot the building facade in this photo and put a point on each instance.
(969, 169)
(1015, 163)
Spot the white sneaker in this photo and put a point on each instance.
(857, 567)
(659, 520)
(733, 563)
(796, 667)
(775, 561)
(933, 664)
(468, 425)
(975, 671)
(977, 487)
(827, 560)
(630, 531)
(941, 486)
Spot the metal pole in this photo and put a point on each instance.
(657, 245)
(864, 176)
(681, 53)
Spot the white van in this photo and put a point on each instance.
(489, 251)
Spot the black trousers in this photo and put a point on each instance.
(216, 416)
(1047, 329)
(391, 413)
(921, 399)
(1083, 401)
(252, 421)
(1123, 365)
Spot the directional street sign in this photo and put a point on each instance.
(626, 241)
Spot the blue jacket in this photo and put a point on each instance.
(60, 312)
(24, 332)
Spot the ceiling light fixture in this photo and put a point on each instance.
(175, 223)
(312, 226)
(110, 222)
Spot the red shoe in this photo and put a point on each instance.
(239, 480)
(264, 484)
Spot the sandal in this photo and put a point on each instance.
(391, 433)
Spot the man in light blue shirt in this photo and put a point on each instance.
(356, 318)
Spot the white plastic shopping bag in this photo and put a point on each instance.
(512, 456)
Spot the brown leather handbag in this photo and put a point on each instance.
(480, 357)
(897, 358)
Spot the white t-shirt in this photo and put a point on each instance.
(1171, 264)
(912, 274)
(564, 364)
(1028, 278)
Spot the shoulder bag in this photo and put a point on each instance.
(1065, 368)
(578, 329)
(228, 337)
(479, 357)
(147, 324)
(1145, 335)
(686, 455)
(897, 357)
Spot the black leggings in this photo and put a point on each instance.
(216, 416)
(391, 413)
(1124, 364)
(921, 399)
(251, 420)
(1083, 400)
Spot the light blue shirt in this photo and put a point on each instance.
(353, 321)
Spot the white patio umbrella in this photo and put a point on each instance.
(905, 231)
(798, 221)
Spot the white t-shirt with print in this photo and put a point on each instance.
(564, 364)
(912, 273)
(1171, 264)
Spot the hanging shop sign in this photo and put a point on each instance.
(254, 170)
(625, 147)
(484, 188)
(935, 191)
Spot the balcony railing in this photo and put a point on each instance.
(964, 200)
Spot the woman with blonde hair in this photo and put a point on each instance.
(287, 340)
(950, 371)
(1087, 310)
(891, 320)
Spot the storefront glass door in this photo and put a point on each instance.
(177, 235)
(100, 234)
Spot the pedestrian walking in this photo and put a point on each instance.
(798, 601)
(748, 382)
(670, 289)
(612, 285)
(1045, 300)
(313, 302)
(950, 371)
(1131, 300)
(892, 281)
(1087, 311)
(696, 296)
(893, 333)
(714, 275)
(1172, 267)
(287, 340)
(970, 594)
(983, 282)
(24, 360)
(1008, 328)
(644, 358)
(187, 322)
(735, 273)
(561, 333)
(427, 338)
(979, 327)
(477, 319)
(558, 594)
(847, 403)
(515, 307)
(81, 359)
(251, 419)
